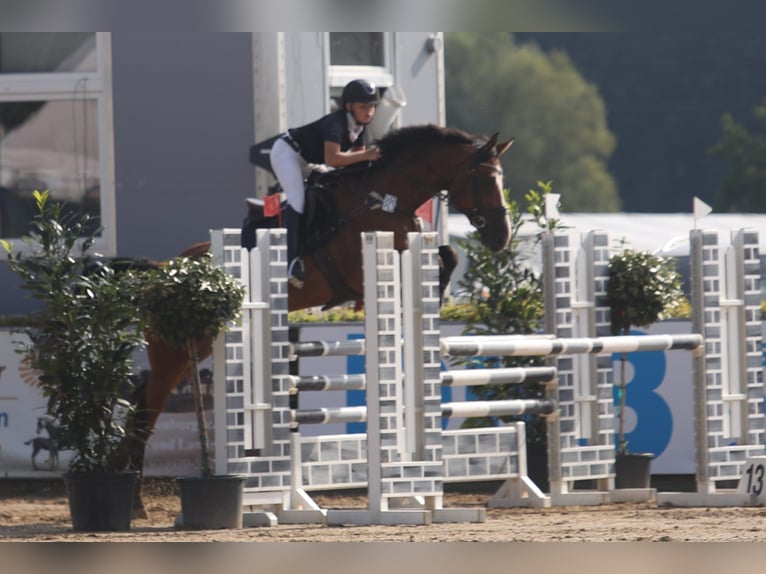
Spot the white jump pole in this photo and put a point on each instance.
(532, 346)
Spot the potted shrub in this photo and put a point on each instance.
(505, 296)
(82, 341)
(641, 288)
(183, 303)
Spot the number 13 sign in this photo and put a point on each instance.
(753, 481)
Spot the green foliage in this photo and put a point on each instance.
(339, 314)
(642, 288)
(681, 310)
(459, 312)
(185, 301)
(556, 116)
(188, 299)
(82, 341)
(15, 320)
(744, 186)
(507, 297)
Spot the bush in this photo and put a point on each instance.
(83, 339)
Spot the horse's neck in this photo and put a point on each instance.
(412, 185)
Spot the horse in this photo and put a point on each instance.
(416, 164)
(52, 443)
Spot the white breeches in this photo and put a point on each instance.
(291, 171)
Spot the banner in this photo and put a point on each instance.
(173, 449)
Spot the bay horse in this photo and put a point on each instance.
(416, 163)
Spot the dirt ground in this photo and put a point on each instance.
(40, 513)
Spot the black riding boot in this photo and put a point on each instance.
(295, 274)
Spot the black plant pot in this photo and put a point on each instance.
(537, 465)
(633, 470)
(211, 503)
(100, 501)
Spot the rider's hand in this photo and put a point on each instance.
(372, 153)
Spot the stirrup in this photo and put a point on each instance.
(295, 274)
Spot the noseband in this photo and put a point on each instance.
(478, 216)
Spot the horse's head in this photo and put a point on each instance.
(478, 193)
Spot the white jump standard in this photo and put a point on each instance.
(405, 455)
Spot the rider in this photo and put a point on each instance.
(335, 140)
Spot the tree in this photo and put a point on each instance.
(744, 185)
(557, 118)
(185, 302)
(642, 287)
(665, 90)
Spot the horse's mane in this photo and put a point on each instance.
(400, 141)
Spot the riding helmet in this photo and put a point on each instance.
(359, 91)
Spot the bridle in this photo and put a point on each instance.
(478, 216)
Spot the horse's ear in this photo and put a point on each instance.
(503, 147)
(491, 143)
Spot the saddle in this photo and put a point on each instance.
(320, 222)
(320, 219)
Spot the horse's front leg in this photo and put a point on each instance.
(130, 453)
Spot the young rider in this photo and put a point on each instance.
(335, 140)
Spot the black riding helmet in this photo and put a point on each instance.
(359, 91)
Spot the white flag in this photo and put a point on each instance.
(552, 205)
(701, 209)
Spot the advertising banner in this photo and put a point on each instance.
(25, 447)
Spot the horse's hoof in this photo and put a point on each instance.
(178, 524)
(139, 513)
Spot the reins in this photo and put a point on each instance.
(478, 216)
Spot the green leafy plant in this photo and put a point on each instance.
(187, 301)
(642, 289)
(83, 338)
(506, 296)
(339, 314)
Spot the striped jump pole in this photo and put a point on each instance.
(458, 409)
(529, 346)
(323, 416)
(298, 496)
(327, 348)
(499, 408)
(507, 376)
(328, 382)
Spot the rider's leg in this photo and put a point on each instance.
(290, 168)
(295, 273)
